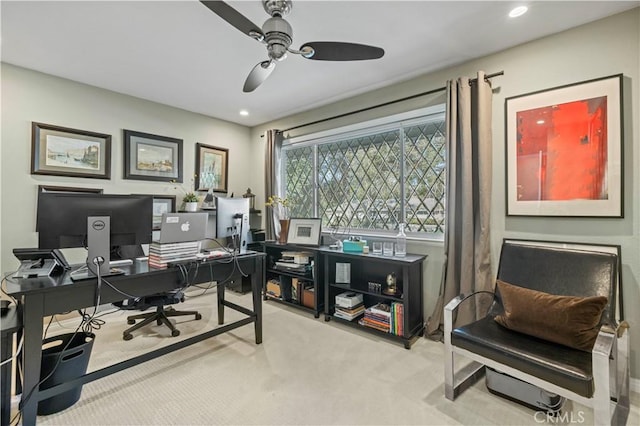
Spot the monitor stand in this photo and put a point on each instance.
(244, 233)
(41, 268)
(99, 247)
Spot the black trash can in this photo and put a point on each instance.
(74, 360)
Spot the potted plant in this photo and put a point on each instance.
(280, 208)
(190, 198)
(190, 201)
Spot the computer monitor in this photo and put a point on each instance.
(232, 221)
(99, 222)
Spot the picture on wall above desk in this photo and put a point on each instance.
(564, 150)
(211, 168)
(61, 151)
(152, 157)
(162, 204)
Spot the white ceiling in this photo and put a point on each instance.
(181, 54)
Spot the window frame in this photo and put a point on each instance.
(358, 130)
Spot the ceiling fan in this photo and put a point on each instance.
(277, 35)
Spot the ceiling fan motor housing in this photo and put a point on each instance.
(278, 36)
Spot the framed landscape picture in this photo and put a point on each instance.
(211, 168)
(152, 157)
(62, 151)
(564, 151)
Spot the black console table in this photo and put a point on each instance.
(44, 296)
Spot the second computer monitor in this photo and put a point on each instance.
(232, 221)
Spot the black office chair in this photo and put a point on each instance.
(161, 314)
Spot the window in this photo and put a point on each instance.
(373, 178)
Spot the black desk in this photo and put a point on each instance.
(46, 296)
(11, 325)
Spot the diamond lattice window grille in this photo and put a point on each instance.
(357, 180)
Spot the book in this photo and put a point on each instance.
(381, 309)
(378, 316)
(163, 247)
(351, 310)
(345, 316)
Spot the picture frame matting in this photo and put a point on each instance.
(564, 150)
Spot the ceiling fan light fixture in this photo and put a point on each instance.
(277, 51)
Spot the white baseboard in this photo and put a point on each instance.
(634, 385)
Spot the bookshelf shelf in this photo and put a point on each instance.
(302, 290)
(405, 321)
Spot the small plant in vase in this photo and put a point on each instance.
(190, 198)
(280, 207)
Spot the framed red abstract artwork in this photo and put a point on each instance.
(564, 151)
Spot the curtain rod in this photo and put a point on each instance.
(430, 92)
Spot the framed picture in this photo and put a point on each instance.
(304, 231)
(152, 157)
(162, 204)
(212, 165)
(61, 151)
(51, 188)
(564, 151)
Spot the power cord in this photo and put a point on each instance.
(88, 323)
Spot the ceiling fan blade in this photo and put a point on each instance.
(233, 17)
(338, 51)
(258, 74)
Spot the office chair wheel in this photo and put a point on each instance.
(127, 336)
(198, 316)
(175, 333)
(159, 322)
(131, 322)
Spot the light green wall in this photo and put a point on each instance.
(32, 96)
(606, 47)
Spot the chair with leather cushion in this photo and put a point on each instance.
(161, 314)
(554, 323)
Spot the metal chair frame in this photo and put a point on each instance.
(610, 364)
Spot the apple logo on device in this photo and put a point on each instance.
(184, 227)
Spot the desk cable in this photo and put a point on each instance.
(87, 324)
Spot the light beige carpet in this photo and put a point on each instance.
(306, 372)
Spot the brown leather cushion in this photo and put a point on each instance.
(567, 320)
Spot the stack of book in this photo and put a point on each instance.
(349, 314)
(160, 255)
(349, 305)
(397, 319)
(298, 262)
(378, 317)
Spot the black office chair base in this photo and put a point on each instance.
(160, 316)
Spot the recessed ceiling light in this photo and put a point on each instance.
(244, 112)
(518, 11)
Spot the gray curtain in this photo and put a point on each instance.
(272, 157)
(467, 251)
